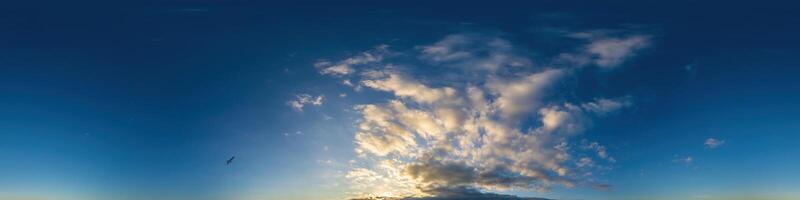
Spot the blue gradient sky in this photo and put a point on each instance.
(147, 100)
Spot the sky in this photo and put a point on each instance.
(590, 100)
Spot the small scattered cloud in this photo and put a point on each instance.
(683, 159)
(327, 162)
(599, 149)
(347, 82)
(585, 162)
(301, 100)
(713, 143)
(296, 133)
(340, 69)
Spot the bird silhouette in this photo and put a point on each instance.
(230, 160)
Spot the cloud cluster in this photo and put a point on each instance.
(453, 140)
(301, 100)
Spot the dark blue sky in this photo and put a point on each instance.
(133, 100)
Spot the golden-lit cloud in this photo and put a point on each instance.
(501, 129)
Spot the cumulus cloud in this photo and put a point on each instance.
(713, 143)
(301, 100)
(462, 139)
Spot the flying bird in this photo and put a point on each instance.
(230, 160)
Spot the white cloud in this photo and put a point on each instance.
(495, 132)
(347, 82)
(340, 69)
(712, 143)
(603, 106)
(403, 87)
(301, 100)
(380, 135)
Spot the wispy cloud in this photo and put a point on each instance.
(296, 133)
(473, 52)
(605, 48)
(713, 143)
(453, 139)
(683, 159)
(301, 100)
(347, 66)
(599, 149)
(611, 52)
